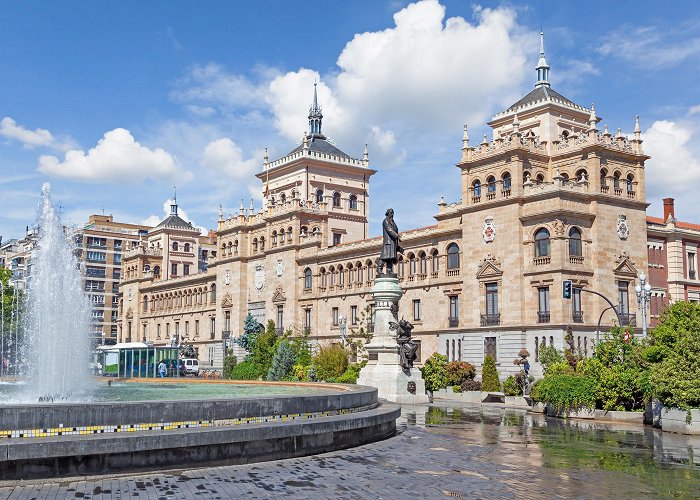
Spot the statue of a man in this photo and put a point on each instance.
(390, 244)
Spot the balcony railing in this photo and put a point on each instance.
(490, 319)
(541, 261)
(577, 316)
(574, 259)
(453, 272)
(692, 274)
(454, 322)
(628, 319)
(543, 316)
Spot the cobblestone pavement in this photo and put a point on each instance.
(441, 452)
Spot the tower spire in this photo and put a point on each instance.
(542, 66)
(173, 205)
(315, 117)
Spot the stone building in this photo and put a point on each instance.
(550, 197)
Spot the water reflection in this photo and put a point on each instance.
(667, 463)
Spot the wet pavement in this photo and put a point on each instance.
(445, 450)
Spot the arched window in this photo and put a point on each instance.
(331, 271)
(616, 180)
(304, 230)
(452, 256)
(412, 265)
(235, 247)
(156, 271)
(324, 277)
(542, 247)
(582, 175)
(506, 181)
(289, 234)
(315, 231)
(353, 202)
(336, 199)
(319, 196)
(436, 260)
(423, 267)
(283, 198)
(255, 244)
(603, 177)
(630, 185)
(341, 276)
(187, 247)
(274, 238)
(565, 176)
(477, 188)
(213, 293)
(174, 246)
(575, 249)
(358, 265)
(307, 278)
(146, 268)
(539, 178)
(145, 303)
(401, 266)
(492, 184)
(262, 243)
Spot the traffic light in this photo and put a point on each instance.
(567, 288)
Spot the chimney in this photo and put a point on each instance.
(668, 209)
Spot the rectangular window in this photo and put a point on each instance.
(623, 297)
(227, 321)
(280, 319)
(307, 318)
(187, 328)
(95, 272)
(212, 327)
(692, 273)
(543, 313)
(94, 286)
(454, 311)
(96, 256)
(416, 310)
(336, 239)
(116, 274)
(353, 315)
(576, 305)
(158, 330)
(117, 244)
(173, 269)
(144, 332)
(167, 330)
(335, 316)
(490, 347)
(117, 258)
(185, 269)
(491, 299)
(93, 241)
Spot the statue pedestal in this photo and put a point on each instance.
(383, 369)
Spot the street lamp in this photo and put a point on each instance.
(341, 323)
(643, 291)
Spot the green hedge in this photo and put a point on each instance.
(566, 392)
(489, 376)
(245, 371)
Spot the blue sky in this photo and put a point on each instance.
(114, 102)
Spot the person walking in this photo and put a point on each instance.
(162, 369)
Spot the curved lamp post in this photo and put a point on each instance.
(643, 291)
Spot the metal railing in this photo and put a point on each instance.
(577, 316)
(543, 316)
(453, 322)
(628, 319)
(490, 319)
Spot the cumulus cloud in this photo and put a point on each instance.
(674, 168)
(226, 157)
(116, 157)
(30, 139)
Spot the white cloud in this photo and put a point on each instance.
(30, 139)
(674, 167)
(652, 47)
(154, 220)
(694, 110)
(226, 157)
(116, 157)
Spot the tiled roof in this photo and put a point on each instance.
(320, 145)
(679, 224)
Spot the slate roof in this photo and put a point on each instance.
(541, 93)
(175, 222)
(319, 144)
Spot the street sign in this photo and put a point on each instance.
(566, 287)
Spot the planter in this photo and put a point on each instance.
(449, 394)
(538, 407)
(652, 413)
(516, 401)
(492, 397)
(582, 413)
(632, 417)
(674, 420)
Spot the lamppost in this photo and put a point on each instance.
(341, 323)
(643, 290)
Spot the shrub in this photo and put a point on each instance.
(456, 388)
(300, 372)
(457, 372)
(282, 362)
(434, 373)
(302, 348)
(566, 392)
(330, 362)
(560, 368)
(245, 371)
(489, 375)
(548, 356)
(263, 349)
(351, 374)
(511, 387)
(229, 362)
(251, 328)
(470, 385)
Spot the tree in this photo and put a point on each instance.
(263, 349)
(251, 329)
(331, 362)
(489, 375)
(282, 362)
(434, 372)
(230, 362)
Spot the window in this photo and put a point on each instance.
(307, 318)
(353, 202)
(576, 305)
(542, 247)
(575, 249)
(319, 196)
(506, 181)
(543, 311)
(454, 311)
(145, 303)
(283, 198)
(336, 239)
(623, 298)
(436, 261)
(477, 188)
(336, 199)
(93, 286)
(187, 247)
(167, 330)
(423, 260)
(94, 241)
(490, 347)
(616, 180)
(603, 177)
(280, 319)
(492, 316)
(156, 271)
(416, 309)
(196, 328)
(452, 256)
(307, 278)
(185, 269)
(96, 256)
(175, 246)
(117, 258)
(158, 330)
(173, 269)
(491, 184)
(353, 315)
(95, 272)
(212, 327)
(630, 183)
(213, 293)
(335, 316)
(692, 274)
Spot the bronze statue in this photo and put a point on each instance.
(407, 347)
(390, 245)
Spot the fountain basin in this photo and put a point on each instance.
(48, 440)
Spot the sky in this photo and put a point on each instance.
(116, 102)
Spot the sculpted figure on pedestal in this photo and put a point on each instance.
(390, 244)
(407, 347)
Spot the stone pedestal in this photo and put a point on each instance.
(383, 369)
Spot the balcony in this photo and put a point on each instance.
(577, 316)
(453, 272)
(543, 316)
(574, 259)
(628, 319)
(542, 261)
(490, 319)
(454, 322)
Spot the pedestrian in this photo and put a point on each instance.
(162, 369)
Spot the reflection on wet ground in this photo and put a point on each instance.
(442, 450)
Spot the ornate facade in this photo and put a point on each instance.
(550, 197)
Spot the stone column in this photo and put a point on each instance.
(383, 369)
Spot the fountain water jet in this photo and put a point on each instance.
(56, 343)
